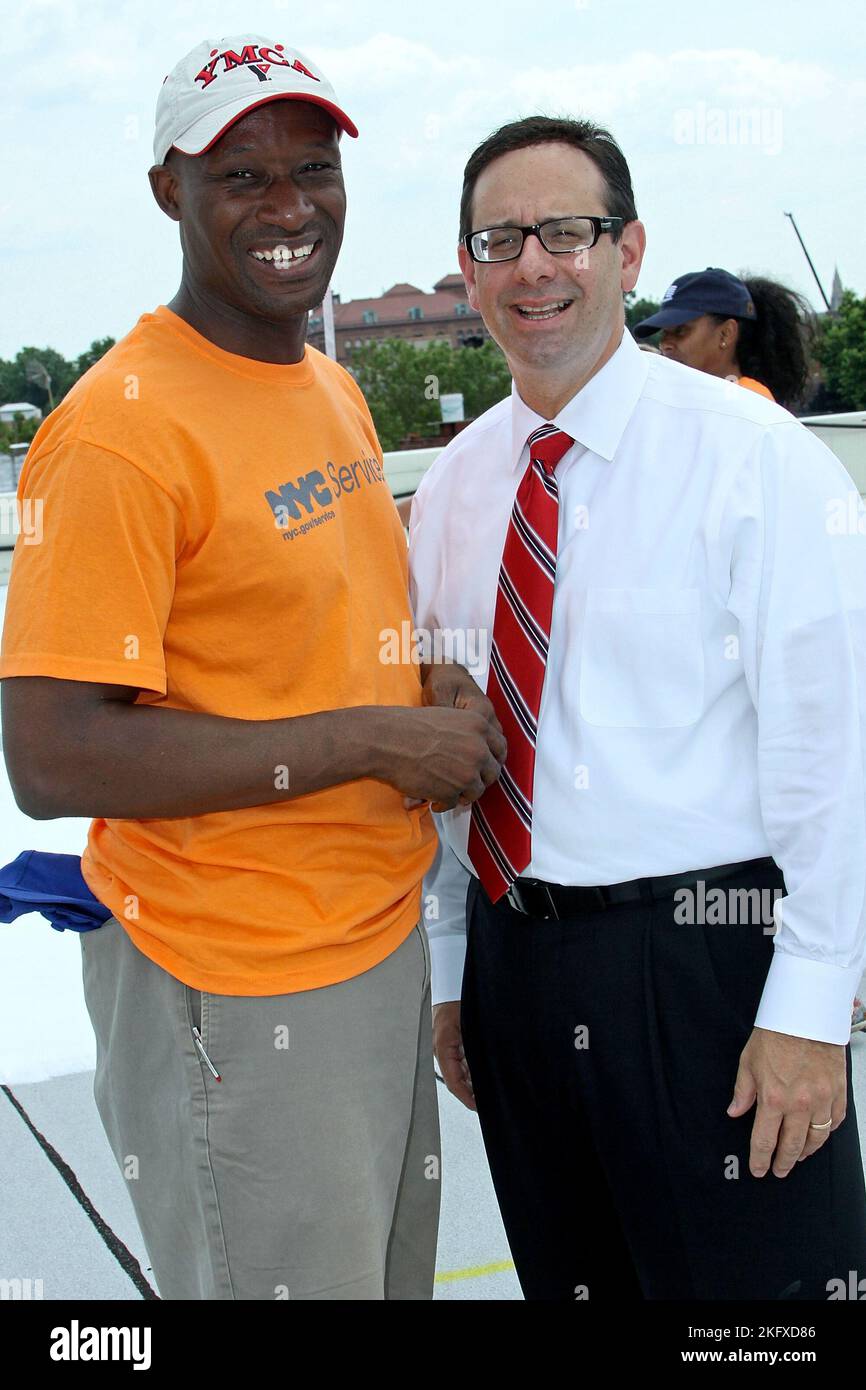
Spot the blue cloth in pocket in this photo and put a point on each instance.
(54, 885)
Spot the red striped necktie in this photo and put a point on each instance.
(500, 832)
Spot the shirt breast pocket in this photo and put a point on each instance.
(642, 658)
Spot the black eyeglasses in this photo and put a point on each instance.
(559, 236)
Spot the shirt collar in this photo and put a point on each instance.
(597, 415)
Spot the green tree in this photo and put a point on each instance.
(638, 309)
(391, 376)
(22, 380)
(841, 351)
(402, 384)
(98, 348)
(17, 383)
(18, 431)
(482, 375)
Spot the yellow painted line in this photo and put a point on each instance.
(475, 1272)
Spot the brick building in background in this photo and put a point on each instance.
(403, 311)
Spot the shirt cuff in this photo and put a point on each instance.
(447, 956)
(808, 998)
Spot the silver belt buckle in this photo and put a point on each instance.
(553, 912)
(513, 896)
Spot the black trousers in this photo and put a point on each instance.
(603, 1052)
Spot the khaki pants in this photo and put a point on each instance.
(311, 1169)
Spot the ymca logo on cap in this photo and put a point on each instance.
(220, 81)
(258, 57)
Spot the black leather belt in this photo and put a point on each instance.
(553, 901)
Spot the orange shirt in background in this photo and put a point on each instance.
(752, 385)
(218, 532)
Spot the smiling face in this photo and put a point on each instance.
(702, 343)
(261, 217)
(557, 317)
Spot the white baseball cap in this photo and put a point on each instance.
(222, 79)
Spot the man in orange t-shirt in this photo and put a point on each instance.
(197, 656)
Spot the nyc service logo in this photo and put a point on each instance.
(308, 499)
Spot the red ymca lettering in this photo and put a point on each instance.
(235, 60)
(257, 59)
(273, 55)
(299, 67)
(207, 74)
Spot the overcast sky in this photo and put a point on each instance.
(729, 115)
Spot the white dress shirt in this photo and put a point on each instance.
(704, 695)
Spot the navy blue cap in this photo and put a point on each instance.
(709, 291)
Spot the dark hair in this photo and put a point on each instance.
(594, 140)
(774, 347)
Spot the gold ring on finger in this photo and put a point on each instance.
(824, 1126)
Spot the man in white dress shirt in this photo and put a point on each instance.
(666, 899)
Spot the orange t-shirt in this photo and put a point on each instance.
(752, 385)
(218, 532)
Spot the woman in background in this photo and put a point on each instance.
(753, 331)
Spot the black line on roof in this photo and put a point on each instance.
(125, 1258)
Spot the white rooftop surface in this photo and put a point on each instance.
(81, 1240)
